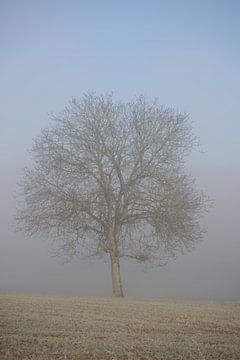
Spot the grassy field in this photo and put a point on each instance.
(89, 328)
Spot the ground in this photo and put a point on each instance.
(42, 328)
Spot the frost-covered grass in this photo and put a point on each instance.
(89, 328)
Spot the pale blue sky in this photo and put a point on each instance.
(186, 53)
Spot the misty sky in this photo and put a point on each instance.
(186, 53)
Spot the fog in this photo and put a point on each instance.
(185, 54)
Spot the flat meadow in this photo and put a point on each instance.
(41, 327)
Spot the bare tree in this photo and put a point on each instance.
(109, 178)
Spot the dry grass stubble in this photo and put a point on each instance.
(88, 328)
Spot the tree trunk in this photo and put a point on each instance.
(116, 278)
